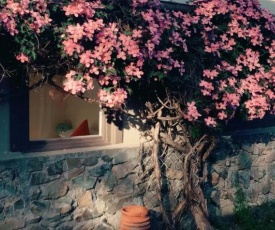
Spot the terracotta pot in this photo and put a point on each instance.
(135, 218)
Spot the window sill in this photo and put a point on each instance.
(19, 155)
(66, 143)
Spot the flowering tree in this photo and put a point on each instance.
(182, 73)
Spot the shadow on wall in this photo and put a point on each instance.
(241, 161)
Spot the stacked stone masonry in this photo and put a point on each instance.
(86, 190)
(249, 167)
(73, 191)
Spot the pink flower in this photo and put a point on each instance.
(86, 58)
(70, 47)
(192, 112)
(211, 74)
(137, 34)
(210, 121)
(22, 57)
(222, 115)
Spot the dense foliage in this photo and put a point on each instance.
(217, 59)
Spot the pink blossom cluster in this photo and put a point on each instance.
(76, 83)
(33, 13)
(228, 83)
(246, 79)
(112, 99)
(192, 112)
(234, 41)
(82, 8)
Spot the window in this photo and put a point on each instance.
(54, 113)
(35, 116)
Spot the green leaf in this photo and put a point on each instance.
(160, 75)
(33, 55)
(111, 71)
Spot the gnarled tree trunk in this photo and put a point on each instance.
(169, 132)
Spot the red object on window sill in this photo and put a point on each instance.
(82, 129)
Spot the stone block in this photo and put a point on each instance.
(271, 171)
(270, 157)
(36, 227)
(109, 181)
(114, 220)
(34, 165)
(2, 206)
(215, 197)
(258, 161)
(227, 207)
(55, 190)
(85, 200)
(19, 204)
(8, 175)
(86, 215)
(266, 186)
(38, 178)
(90, 182)
(125, 187)
(245, 160)
(65, 209)
(120, 158)
(79, 181)
(62, 201)
(215, 178)
(244, 178)
(68, 225)
(99, 170)
(254, 173)
(107, 158)
(90, 161)
(8, 190)
(115, 203)
(105, 226)
(72, 163)
(87, 225)
(232, 179)
(121, 171)
(253, 192)
(247, 148)
(32, 219)
(84, 181)
(132, 153)
(35, 193)
(99, 208)
(75, 172)
(55, 168)
(10, 164)
(39, 207)
(12, 223)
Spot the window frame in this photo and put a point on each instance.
(19, 129)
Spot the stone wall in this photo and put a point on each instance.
(246, 165)
(86, 190)
(71, 191)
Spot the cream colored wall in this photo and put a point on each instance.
(132, 136)
(44, 115)
(49, 107)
